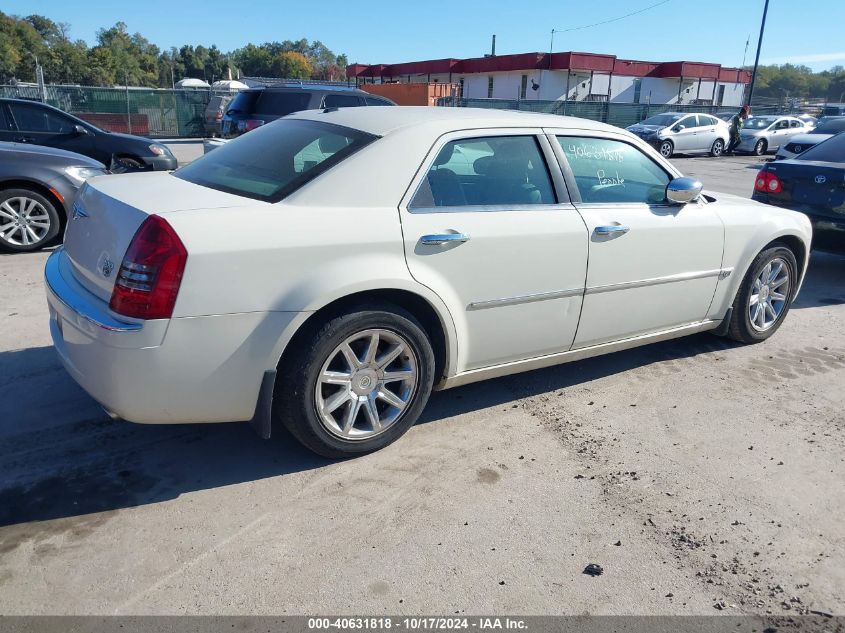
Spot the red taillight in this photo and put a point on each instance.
(251, 124)
(767, 182)
(149, 277)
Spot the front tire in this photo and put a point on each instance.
(666, 148)
(28, 220)
(357, 382)
(718, 148)
(765, 296)
(760, 147)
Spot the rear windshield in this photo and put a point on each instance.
(282, 103)
(275, 160)
(244, 102)
(830, 151)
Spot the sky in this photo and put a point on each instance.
(382, 31)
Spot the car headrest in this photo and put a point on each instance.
(445, 155)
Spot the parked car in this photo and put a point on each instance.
(37, 188)
(812, 183)
(761, 134)
(257, 106)
(23, 121)
(809, 119)
(347, 303)
(827, 126)
(834, 109)
(213, 115)
(684, 133)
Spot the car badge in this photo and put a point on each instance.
(78, 211)
(108, 267)
(820, 180)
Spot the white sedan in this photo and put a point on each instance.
(328, 270)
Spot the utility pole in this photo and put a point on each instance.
(757, 58)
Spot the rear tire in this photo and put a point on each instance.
(718, 148)
(29, 221)
(765, 296)
(340, 395)
(760, 147)
(666, 148)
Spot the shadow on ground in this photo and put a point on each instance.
(61, 457)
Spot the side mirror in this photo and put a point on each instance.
(683, 190)
(678, 128)
(79, 130)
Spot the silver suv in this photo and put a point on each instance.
(683, 133)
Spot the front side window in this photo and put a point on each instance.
(500, 170)
(796, 124)
(609, 171)
(33, 118)
(689, 122)
(275, 160)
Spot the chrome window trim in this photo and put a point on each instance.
(656, 281)
(66, 294)
(540, 296)
(494, 208)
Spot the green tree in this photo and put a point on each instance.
(291, 66)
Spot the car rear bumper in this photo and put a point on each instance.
(828, 232)
(166, 371)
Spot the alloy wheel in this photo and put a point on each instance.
(769, 295)
(366, 384)
(23, 221)
(666, 149)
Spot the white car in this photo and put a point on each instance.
(761, 134)
(326, 271)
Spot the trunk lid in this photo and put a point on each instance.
(815, 187)
(108, 212)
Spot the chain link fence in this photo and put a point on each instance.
(618, 114)
(143, 111)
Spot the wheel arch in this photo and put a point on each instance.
(40, 187)
(428, 310)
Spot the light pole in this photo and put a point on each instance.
(759, 46)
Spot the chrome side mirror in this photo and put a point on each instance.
(683, 190)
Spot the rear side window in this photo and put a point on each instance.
(282, 103)
(275, 160)
(502, 170)
(4, 122)
(830, 151)
(341, 101)
(609, 171)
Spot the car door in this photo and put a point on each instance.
(779, 134)
(40, 125)
(489, 227)
(652, 266)
(685, 134)
(707, 132)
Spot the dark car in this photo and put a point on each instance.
(813, 183)
(37, 188)
(825, 128)
(24, 121)
(257, 106)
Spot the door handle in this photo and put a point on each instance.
(613, 229)
(444, 238)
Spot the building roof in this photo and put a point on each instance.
(381, 121)
(589, 62)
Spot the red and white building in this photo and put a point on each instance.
(574, 76)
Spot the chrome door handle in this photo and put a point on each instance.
(611, 230)
(444, 238)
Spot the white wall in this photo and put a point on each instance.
(622, 89)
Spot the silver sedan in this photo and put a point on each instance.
(762, 134)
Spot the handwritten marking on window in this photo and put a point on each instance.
(594, 152)
(604, 179)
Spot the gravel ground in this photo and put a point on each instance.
(703, 477)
